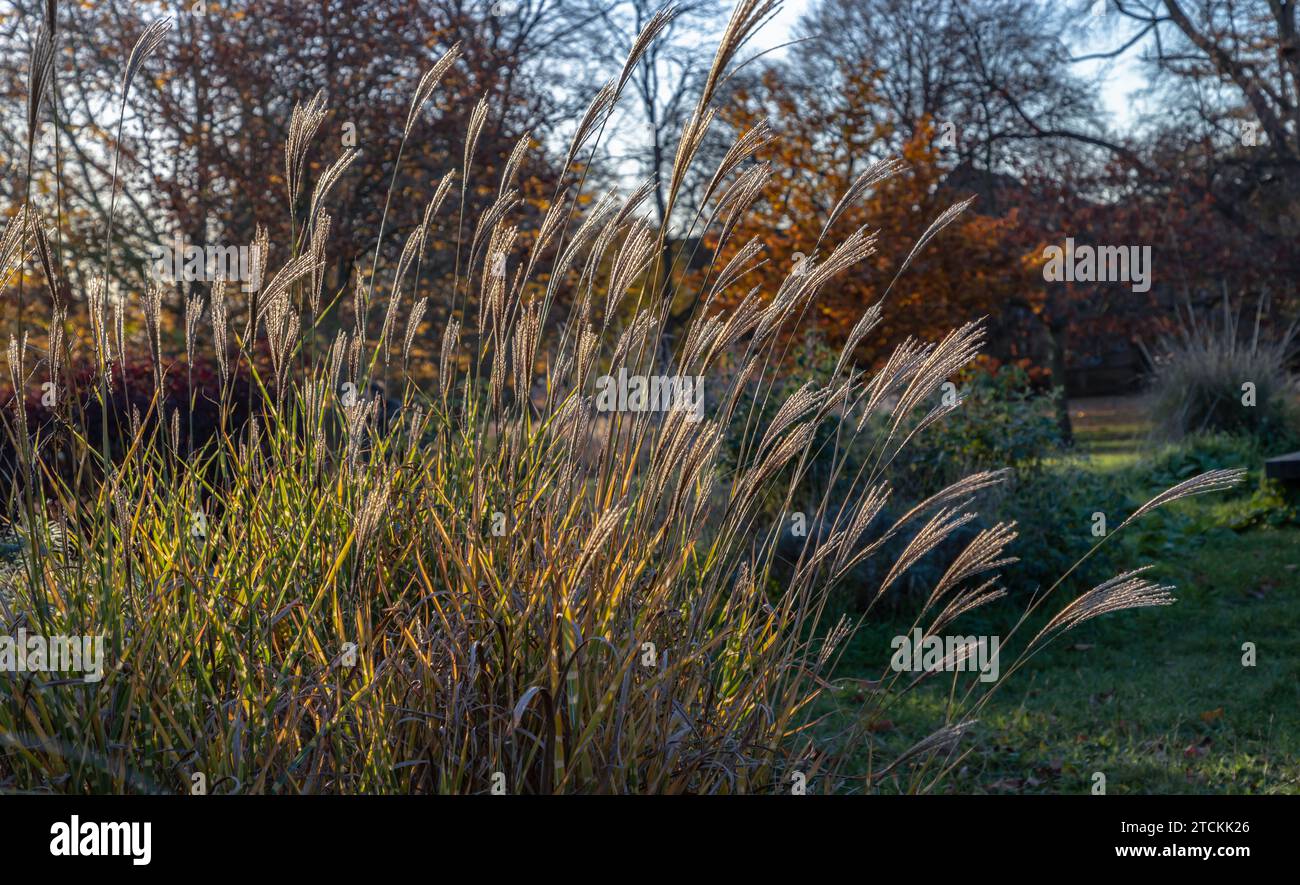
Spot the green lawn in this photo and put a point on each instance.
(1112, 430)
(1157, 700)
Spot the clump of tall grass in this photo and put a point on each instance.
(496, 588)
(1211, 375)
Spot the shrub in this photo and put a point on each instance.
(1270, 505)
(189, 403)
(1199, 452)
(1256, 503)
(1002, 422)
(1053, 510)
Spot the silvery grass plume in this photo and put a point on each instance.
(1124, 591)
(303, 125)
(13, 244)
(1202, 370)
(145, 46)
(41, 68)
(1205, 483)
(496, 583)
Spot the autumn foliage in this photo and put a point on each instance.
(975, 268)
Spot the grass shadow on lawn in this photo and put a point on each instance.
(1158, 701)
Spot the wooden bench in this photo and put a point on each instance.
(1284, 468)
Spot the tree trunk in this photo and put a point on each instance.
(1056, 340)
